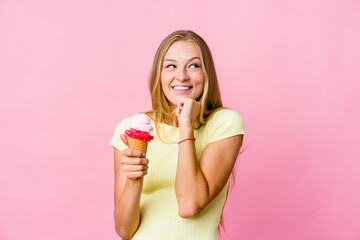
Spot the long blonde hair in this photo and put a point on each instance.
(210, 100)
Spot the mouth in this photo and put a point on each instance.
(181, 88)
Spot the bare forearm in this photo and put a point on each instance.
(191, 186)
(127, 210)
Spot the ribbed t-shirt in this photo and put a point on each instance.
(159, 218)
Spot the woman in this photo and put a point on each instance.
(184, 177)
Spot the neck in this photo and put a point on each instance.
(174, 122)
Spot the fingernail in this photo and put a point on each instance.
(143, 154)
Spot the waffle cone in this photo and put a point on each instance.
(137, 144)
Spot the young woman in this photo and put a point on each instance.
(184, 177)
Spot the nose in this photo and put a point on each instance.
(182, 74)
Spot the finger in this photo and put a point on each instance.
(123, 138)
(180, 103)
(134, 161)
(136, 175)
(176, 109)
(135, 168)
(177, 112)
(133, 153)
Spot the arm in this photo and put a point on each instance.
(129, 165)
(199, 183)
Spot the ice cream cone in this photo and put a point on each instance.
(138, 136)
(137, 144)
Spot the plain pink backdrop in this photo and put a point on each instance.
(290, 68)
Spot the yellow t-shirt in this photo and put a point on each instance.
(158, 205)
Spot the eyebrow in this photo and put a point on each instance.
(173, 60)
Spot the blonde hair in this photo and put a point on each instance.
(210, 100)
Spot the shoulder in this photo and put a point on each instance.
(224, 115)
(225, 112)
(120, 128)
(224, 123)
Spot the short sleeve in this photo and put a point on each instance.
(223, 124)
(121, 127)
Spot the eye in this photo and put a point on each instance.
(194, 65)
(170, 66)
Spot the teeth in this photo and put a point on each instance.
(181, 88)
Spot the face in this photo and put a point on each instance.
(182, 75)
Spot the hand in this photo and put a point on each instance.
(133, 163)
(187, 111)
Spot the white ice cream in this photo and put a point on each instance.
(141, 122)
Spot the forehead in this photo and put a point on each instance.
(182, 48)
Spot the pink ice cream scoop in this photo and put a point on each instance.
(140, 128)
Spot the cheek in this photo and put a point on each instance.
(165, 88)
(165, 79)
(198, 77)
(199, 80)
(200, 86)
(164, 85)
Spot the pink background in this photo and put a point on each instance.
(68, 71)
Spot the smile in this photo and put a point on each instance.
(181, 88)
